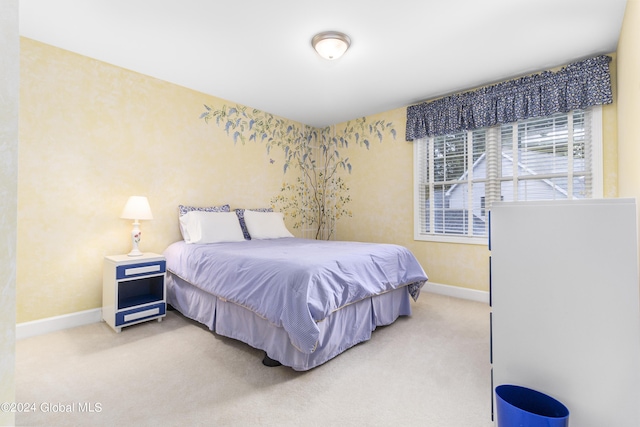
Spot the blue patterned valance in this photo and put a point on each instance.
(576, 86)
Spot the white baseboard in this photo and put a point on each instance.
(80, 318)
(57, 323)
(457, 292)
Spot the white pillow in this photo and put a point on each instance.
(184, 209)
(211, 227)
(266, 225)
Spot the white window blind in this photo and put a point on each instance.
(459, 176)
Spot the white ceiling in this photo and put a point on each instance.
(258, 52)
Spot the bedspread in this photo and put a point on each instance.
(295, 283)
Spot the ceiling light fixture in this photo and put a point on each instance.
(331, 44)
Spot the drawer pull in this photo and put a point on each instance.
(141, 314)
(142, 270)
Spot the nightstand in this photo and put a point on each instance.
(133, 289)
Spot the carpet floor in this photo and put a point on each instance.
(429, 369)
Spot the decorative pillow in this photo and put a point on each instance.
(240, 213)
(266, 225)
(211, 227)
(184, 209)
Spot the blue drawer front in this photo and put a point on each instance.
(142, 269)
(140, 313)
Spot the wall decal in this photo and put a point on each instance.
(317, 196)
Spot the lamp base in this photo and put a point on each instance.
(135, 239)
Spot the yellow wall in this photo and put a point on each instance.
(629, 102)
(9, 96)
(91, 135)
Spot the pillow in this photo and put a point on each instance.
(266, 225)
(183, 210)
(211, 227)
(240, 213)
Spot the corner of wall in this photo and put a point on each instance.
(9, 93)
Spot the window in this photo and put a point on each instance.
(459, 176)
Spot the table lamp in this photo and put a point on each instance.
(137, 208)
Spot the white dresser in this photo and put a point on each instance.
(565, 305)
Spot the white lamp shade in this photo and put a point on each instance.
(137, 207)
(331, 44)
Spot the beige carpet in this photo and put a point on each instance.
(431, 369)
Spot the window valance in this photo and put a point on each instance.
(577, 86)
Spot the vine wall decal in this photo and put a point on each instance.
(318, 195)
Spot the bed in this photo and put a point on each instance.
(302, 301)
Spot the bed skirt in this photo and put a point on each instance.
(343, 329)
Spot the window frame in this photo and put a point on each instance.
(419, 147)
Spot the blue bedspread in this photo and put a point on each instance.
(295, 283)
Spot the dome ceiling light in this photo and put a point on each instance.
(331, 44)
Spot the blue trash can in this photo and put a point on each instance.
(522, 407)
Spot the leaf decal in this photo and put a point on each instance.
(316, 196)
